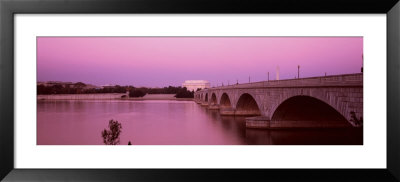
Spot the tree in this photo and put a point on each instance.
(41, 89)
(111, 136)
(136, 93)
(56, 89)
(184, 93)
(79, 86)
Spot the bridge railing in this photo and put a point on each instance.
(334, 80)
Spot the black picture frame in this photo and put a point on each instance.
(8, 8)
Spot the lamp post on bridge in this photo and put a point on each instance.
(298, 71)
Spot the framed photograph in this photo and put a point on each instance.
(153, 90)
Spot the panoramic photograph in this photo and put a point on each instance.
(199, 90)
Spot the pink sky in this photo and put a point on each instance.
(163, 61)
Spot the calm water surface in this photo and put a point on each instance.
(166, 123)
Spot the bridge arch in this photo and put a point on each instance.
(225, 101)
(247, 105)
(303, 108)
(214, 99)
(206, 97)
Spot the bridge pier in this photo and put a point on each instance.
(247, 113)
(308, 124)
(264, 122)
(223, 111)
(213, 107)
(261, 122)
(205, 104)
(227, 111)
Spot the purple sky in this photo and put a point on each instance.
(163, 61)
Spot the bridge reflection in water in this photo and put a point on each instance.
(292, 136)
(316, 102)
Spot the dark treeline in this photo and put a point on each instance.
(79, 88)
(181, 92)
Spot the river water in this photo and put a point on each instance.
(163, 122)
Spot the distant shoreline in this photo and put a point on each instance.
(178, 99)
(110, 96)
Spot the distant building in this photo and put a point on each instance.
(193, 85)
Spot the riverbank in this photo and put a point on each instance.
(110, 96)
(141, 98)
(158, 97)
(106, 96)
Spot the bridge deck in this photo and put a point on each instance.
(346, 80)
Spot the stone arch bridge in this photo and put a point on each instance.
(329, 101)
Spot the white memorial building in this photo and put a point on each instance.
(193, 85)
